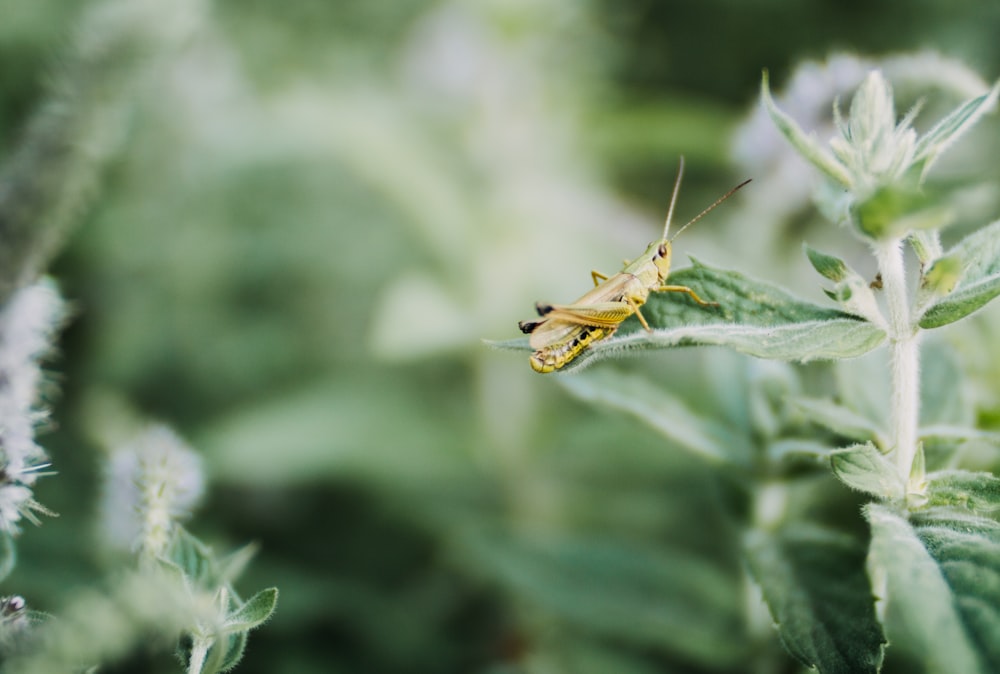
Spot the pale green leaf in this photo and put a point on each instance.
(807, 145)
(863, 386)
(939, 578)
(753, 317)
(232, 565)
(926, 245)
(660, 410)
(192, 556)
(8, 554)
(979, 492)
(655, 597)
(815, 586)
(958, 434)
(980, 281)
(827, 266)
(580, 655)
(236, 644)
(947, 131)
(865, 468)
(839, 419)
(255, 612)
(850, 290)
(944, 400)
(332, 429)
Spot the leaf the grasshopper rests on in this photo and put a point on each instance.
(753, 317)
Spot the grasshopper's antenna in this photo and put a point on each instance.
(673, 199)
(706, 211)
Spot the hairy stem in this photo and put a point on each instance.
(905, 357)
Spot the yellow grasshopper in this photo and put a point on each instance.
(565, 330)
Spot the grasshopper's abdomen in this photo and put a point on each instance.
(555, 356)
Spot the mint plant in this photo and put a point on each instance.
(917, 580)
(166, 590)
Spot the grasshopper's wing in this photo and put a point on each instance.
(602, 314)
(565, 322)
(552, 333)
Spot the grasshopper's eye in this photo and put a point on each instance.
(662, 250)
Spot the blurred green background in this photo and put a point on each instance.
(322, 207)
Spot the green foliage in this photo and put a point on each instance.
(975, 282)
(295, 224)
(815, 583)
(920, 577)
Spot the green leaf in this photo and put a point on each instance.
(839, 419)
(192, 556)
(807, 145)
(232, 565)
(863, 386)
(944, 400)
(979, 492)
(926, 245)
(653, 597)
(236, 644)
(938, 577)
(940, 278)
(947, 131)
(896, 210)
(257, 610)
(662, 411)
(8, 554)
(865, 468)
(851, 290)
(815, 586)
(828, 266)
(753, 317)
(980, 282)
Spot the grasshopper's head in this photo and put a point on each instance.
(661, 251)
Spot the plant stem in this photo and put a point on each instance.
(199, 649)
(905, 357)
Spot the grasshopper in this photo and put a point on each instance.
(565, 330)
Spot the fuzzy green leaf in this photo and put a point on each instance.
(807, 145)
(192, 556)
(815, 586)
(839, 419)
(660, 410)
(926, 245)
(865, 468)
(980, 282)
(654, 597)
(944, 398)
(979, 492)
(828, 266)
(236, 645)
(850, 290)
(8, 554)
(255, 612)
(947, 131)
(938, 574)
(753, 317)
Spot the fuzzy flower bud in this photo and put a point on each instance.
(152, 482)
(27, 324)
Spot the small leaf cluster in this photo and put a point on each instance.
(215, 642)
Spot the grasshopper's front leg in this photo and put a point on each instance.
(642, 319)
(691, 293)
(597, 277)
